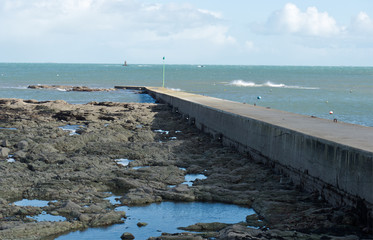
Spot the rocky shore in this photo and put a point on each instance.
(71, 88)
(77, 170)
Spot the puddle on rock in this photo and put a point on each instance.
(113, 200)
(10, 159)
(164, 217)
(190, 178)
(31, 203)
(72, 129)
(162, 131)
(140, 167)
(4, 128)
(45, 217)
(123, 161)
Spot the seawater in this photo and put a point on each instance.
(312, 90)
(164, 217)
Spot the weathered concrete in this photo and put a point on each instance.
(335, 159)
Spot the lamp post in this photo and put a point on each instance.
(163, 71)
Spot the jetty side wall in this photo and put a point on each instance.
(341, 174)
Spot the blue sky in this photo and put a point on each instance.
(270, 32)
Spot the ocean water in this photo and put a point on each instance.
(346, 91)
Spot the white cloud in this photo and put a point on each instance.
(249, 46)
(362, 24)
(115, 24)
(291, 20)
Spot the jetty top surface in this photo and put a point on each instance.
(352, 135)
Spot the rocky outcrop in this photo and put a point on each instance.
(78, 172)
(70, 88)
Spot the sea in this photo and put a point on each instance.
(341, 92)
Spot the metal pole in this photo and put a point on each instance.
(163, 71)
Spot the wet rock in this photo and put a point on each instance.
(254, 221)
(127, 236)
(142, 224)
(178, 236)
(205, 227)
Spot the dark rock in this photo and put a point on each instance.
(127, 236)
(205, 227)
(141, 224)
(23, 145)
(5, 143)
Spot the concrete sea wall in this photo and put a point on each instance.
(332, 159)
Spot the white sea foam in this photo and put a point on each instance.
(242, 83)
(175, 89)
(61, 89)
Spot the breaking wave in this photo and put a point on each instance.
(175, 89)
(242, 83)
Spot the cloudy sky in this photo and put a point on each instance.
(270, 32)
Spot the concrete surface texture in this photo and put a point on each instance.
(335, 157)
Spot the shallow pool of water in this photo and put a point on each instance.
(10, 159)
(4, 128)
(190, 178)
(48, 217)
(164, 217)
(140, 167)
(31, 203)
(71, 128)
(123, 161)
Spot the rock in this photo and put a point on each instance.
(254, 221)
(204, 227)
(141, 224)
(5, 143)
(85, 218)
(239, 232)
(107, 219)
(125, 183)
(22, 145)
(127, 236)
(140, 196)
(69, 207)
(4, 152)
(19, 155)
(179, 236)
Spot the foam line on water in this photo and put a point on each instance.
(242, 83)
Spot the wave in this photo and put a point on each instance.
(175, 89)
(61, 89)
(242, 83)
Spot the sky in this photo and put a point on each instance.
(237, 32)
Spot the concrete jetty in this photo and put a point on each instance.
(332, 159)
